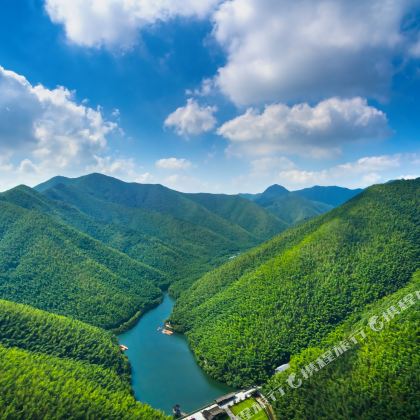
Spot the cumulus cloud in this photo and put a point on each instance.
(173, 164)
(122, 168)
(192, 119)
(359, 173)
(48, 123)
(299, 50)
(207, 87)
(301, 129)
(115, 23)
(186, 183)
(276, 50)
(44, 132)
(266, 165)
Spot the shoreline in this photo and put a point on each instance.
(131, 322)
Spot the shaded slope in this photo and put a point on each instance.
(293, 209)
(248, 316)
(156, 198)
(271, 194)
(334, 196)
(160, 227)
(49, 265)
(240, 211)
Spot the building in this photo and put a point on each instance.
(214, 413)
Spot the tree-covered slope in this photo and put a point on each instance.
(333, 196)
(39, 331)
(142, 247)
(51, 266)
(240, 211)
(162, 200)
(293, 209)
(247, 317)
(271, 194)
(376, 378)
(295, 206)
(171, 231)
(55, 367)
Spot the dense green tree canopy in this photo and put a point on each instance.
(51, 266)
(377, 378)
(248, 316)
(54, 367)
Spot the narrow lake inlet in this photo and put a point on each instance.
(164, 371)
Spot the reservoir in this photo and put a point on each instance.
(164, 371)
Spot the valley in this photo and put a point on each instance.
(209, 210)
(164, 370)
(245, 290)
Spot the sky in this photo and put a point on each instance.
(221, 96)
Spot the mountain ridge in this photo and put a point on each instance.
(290, 291)
(296, 206)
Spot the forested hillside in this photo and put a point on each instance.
(238, 210)
(54, 367)
(334, 196)
(176, 233)
(247, 317)
(162, 200)
(54, 267)
(376, 377)
(293, 209)
(295, 206)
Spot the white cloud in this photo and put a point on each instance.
(116, 23)
(173, 164)
(415, 49)
(45, 132)
(410, 176)
(277, 50)
(299, 50)
(192, 119)
(114, 166)
(48, 123)
(145, 178)
(206, 88)
(362, 172)
(267, 165)
(186, 183)
(301, 129)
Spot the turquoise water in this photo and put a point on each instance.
(164, 371)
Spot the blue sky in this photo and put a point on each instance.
(210, 95)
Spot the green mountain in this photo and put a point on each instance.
(55, 367)
(292, 208)
(182, 235)
(251, 314)
(162, 200)
(334, 196)
(376, 378)
(271, 194)
(240, 211)
(295, 206)
(49, 265)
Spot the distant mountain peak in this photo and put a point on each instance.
(276, 189)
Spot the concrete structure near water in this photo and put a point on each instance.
(220, 408)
